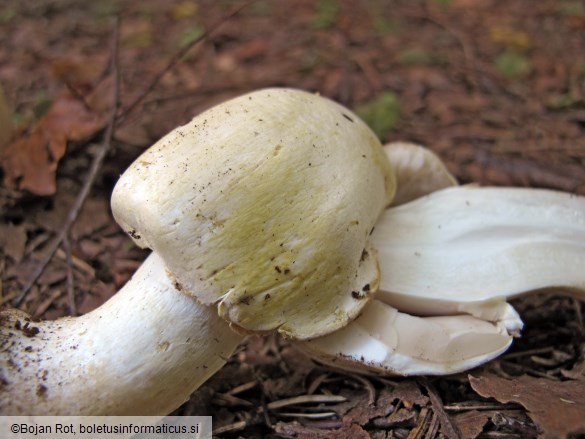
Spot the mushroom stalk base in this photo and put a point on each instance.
(141, 353)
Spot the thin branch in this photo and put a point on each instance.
(70, 277)
(448, 428)
(177, 57)
(87, 185)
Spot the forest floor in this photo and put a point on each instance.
(495, 88)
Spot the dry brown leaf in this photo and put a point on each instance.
(576, 373)
(30, 162)
(471, 423)
(13, 241)
(94, 215)
(556, 407)
(185, 9)
(78, 72)
(409, 393)
(6, 127)
(100, 292)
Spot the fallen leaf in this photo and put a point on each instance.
(186, 9)
(513, 65)
(362, 412)
(191, 34)
(137, 33)
(78, 72)
(325, 14)
(471, 424)
(511, 38)
(381, 113)
(13, 241)
(5, 121)
(100, 292)
(249, 50)
(556, 407)
(30, 162)
(416, 56)
(409, 393)
(576, 373)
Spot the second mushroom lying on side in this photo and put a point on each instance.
(269, 205)
(282, 210)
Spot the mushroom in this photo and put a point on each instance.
(449, 260)
(418, 170)
(260, 213)
(264, 205)
(143, 352)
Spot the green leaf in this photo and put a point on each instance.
(7, 14)
(190, 35)
(384, 25)
(572, 9)
(5, 121)
(381, 113)
(513, 65)
(42, 104)
(325, 14)
(261, 8)
(416, 57)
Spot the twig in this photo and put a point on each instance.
(528, 353)
(433, 426)
(530, 370)
(45, 304)
(227, 400)
(481, 407)
(242, 388)
(316, 383)
(177, 57)
(304, 399)
(419, 429)
(95, 166)
(235, 426)
(70, 279)
(447, 427)
(320, 415)
(579, 315)
(369, 387)
(77, 263)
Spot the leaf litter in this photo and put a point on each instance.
(523, 128)
(556, 408)
(30, 161)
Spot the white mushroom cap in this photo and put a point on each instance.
(264, 205)
(418, 171)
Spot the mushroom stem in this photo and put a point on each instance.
(143, 352)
